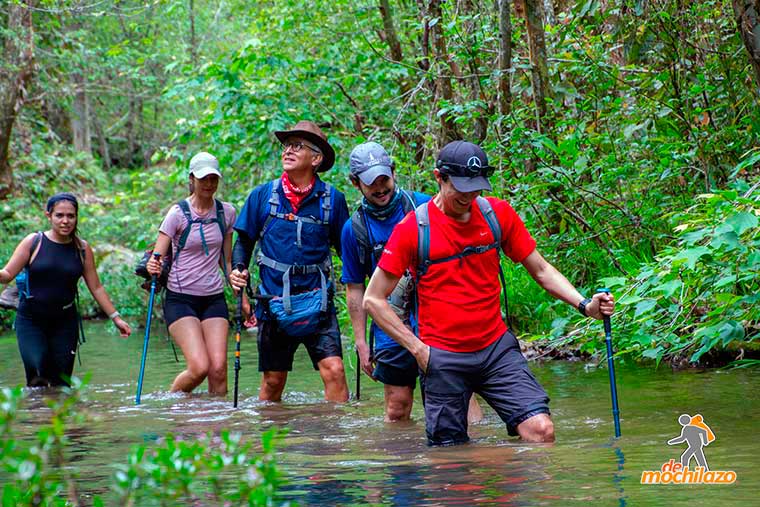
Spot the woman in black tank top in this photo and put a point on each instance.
(47, 324)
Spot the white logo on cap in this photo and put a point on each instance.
(474, 162)
(371, 157)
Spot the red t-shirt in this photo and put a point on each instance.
(459, 305)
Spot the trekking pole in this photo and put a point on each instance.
(611, 368)
(147, 333)
(238, 326)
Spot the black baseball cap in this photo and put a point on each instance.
(466, 164)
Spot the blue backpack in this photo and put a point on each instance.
(298, 314)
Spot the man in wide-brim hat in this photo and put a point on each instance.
(295, 219)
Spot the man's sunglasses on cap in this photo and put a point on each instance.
(469, 171)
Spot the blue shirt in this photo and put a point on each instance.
(355, 269)
(279, 240)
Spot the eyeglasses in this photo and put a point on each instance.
(468, 171)
(296, 146)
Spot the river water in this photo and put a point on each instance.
(346, 454)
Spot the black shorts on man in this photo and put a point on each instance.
(396, 366)
(277, 348)
(499, 373)
(177, 306)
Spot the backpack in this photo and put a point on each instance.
(24, 292)
(369, 250)
(299, 314)
(171, 257)
(369, 254)
(423, 248)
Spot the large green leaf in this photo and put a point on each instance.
(742, 222)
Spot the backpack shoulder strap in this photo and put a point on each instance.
(220, 218)
(274, 206)
(490, 215)
(423, 239)
(493, 223)
(326, 203)
(359, 226)
(408, 201)
(35, 243)
(185, 209)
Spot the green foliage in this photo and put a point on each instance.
(215, 470)
(219, 470)
(37, 470)
(701, 293)
(650, 105)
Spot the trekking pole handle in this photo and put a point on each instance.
(239, 307)
(153, 278)
(606, 318)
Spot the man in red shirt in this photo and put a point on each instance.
(464, 345)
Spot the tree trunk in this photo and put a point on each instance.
(539, 67)
(444, 89)
(15, 76)
(390, 31)
(477, 94)
(747, 14)
(193, 43)
(80, 118)
(105, 155)
(505, 57)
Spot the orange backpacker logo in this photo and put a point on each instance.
(697, 435)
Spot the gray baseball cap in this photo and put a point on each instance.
(203, 164)
(369, 161)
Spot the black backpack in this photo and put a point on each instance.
(369, 249)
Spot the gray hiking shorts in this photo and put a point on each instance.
(499, 373)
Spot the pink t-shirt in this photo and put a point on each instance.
(196, 273)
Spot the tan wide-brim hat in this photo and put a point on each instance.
(311, 132)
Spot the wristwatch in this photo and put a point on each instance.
(582, 306)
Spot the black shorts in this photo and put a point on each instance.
(396, 366)
(177, 306)
(276, 349)
(499, 373)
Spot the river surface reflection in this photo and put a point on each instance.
(347, 455)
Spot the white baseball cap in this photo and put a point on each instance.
(203, 164)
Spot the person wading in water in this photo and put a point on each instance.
(47, 320)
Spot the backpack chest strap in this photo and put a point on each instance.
(275, 212)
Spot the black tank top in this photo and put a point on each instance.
(54, 273)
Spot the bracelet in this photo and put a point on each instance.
(582, 306)
(114, 314)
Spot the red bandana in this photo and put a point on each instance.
(294, 194)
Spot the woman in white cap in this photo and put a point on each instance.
(199, 231)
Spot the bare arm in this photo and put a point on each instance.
(227, 249)
(555, 283)
(376, 304)
(99, 293)
(354, 297)
(18, 260)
